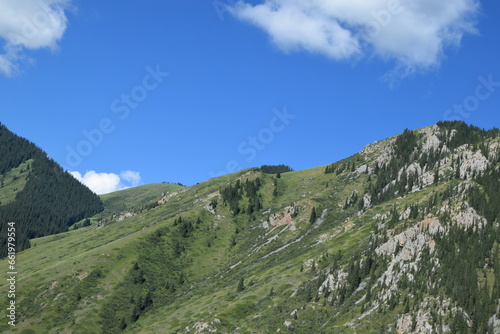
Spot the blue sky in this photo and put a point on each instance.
(132, 92)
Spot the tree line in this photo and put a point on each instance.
(275, 169)
(233, 195)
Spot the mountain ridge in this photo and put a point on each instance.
(366, 244)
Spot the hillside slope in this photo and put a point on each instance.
(128, 199)
(400, 238)
(36, 193)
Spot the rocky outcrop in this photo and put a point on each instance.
(283, 218)
(472, 163)
(494, 321)
(405, 251)
(333, 282)
(431, 143)
(423, 320)
(367, 200)
(203, 327)
(169, 196)
(412, 240)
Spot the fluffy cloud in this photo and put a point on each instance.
(133, 178)
(103, 183)
(29, 24)
(412, 33)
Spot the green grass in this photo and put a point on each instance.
(127, 199)
(13, 182)
(114, 248)
(65, 281)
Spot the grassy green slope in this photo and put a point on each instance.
(50, 275)
(13, 182)
(153, 272)
(56, 264)
(272, 275)
(127, 199)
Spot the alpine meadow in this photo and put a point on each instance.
(400, 237)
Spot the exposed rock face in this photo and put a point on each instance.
(283, 218)
(412, 240)
(420, 321)
(494, 148)
(208, 205)
(432, 143)
(203, 327)
(404, 324)
(468, 217)
(168, 196)
(405, 250)
(472, 163)
(385, 157)
(494, 321)
(463, 215)
(124, 216)
(367, 200)
(209, 208)
(383, 149)
(333, 281)
(363, 169)
(429, 130)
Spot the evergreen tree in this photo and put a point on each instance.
(241, 285)
(275, 169)
(436, 176)
(313, 217)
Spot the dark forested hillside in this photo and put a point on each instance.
(51, 200)
(13, 150)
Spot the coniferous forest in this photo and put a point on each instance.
(275, 169)
(51, 200)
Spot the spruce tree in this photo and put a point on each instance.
(313, 217)
(436, 176)
(241, 285)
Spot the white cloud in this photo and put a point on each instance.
(29, 24)
(103, 183)
(412, 33)
(134, 178)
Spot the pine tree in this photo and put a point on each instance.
(241, 285)
(436, 176)
(123, 324)
(313, 217)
